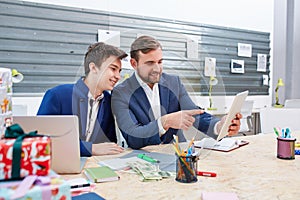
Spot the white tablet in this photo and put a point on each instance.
(234, 109)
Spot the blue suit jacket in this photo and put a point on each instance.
(72, 99)
(135, 117)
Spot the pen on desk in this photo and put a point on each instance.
(80, 185)
(147, 158)
(209, 174)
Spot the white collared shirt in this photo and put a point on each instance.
(93, 109)
(154, 100)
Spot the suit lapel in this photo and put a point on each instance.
(80, 102)
(83, 114)
(164, 96)
(141, 98)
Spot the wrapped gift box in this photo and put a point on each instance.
(55, 189)
(35, 157)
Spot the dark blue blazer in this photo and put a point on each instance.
(72, 99)
(135, 117)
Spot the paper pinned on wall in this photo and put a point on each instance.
(192, 47)
(237, 66)
(210, 67)
(265, 79)
(126, 63)
(109, 37)
(261, 62)
(244, 50)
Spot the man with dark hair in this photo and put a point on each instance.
(152, 106)
(89, 99)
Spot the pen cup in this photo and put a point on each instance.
(186, 169)
(286, 148)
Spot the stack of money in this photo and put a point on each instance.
(148, 171)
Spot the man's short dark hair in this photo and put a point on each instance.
(99, 52)
(143, 44)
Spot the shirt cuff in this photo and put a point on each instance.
(160, 127)
(215, 128)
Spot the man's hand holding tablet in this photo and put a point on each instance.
(230, 123)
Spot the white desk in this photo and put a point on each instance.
(252, 172)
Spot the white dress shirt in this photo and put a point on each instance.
(154, 100)
(93, 108)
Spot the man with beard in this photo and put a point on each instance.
(152, 106)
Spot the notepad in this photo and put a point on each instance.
(101, 174)
(226, 144)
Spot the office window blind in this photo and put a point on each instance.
(47, 44)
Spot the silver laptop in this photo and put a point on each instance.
(64, 132)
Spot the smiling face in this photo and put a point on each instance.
(102, 66)
(110, 73)
(104, 77)
(149, 66)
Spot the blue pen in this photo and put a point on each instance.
(288, 133)
(190, 151)
(282, 133)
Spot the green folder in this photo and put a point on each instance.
(101, 174)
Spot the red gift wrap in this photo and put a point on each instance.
(35, 157)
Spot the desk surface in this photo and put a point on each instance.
(252, 172)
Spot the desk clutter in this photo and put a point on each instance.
(25, 167)
(148, 165)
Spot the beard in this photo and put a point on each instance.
(151, 78)
(154, 77)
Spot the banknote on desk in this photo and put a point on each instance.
(149, 171)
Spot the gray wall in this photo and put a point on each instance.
(286, 53)
(47, 44)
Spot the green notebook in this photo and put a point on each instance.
(101, 174)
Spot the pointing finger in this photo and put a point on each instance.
(194, 112)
